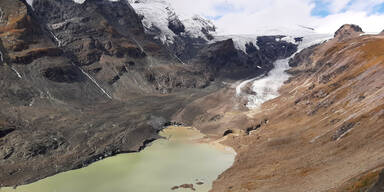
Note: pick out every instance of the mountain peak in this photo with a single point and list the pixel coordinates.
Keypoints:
(161, 20)
(348, 31)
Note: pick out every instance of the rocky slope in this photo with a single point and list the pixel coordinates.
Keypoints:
(87, 80)
(83, 81)
(323, 133)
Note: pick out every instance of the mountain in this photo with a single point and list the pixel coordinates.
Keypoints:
(93, 71)
(321, 133)
(84, 80)
(161, 20)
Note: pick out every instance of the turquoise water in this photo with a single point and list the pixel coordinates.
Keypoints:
(161, 166)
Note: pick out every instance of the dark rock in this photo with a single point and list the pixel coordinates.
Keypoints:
(146, 143)
(176, 26)
(225, 61)
(253, 128)
(4, 131)
(67, 74)
(299, 39)
(334, 121)
(171, 123)
(227, 132)
(379, 185)
(324, 104)
(328, 77)
(216, 117)
(250, 48)
(188, 186)
(303, 58)
(44, 146)
(342, 130)
(114, 80)
(6, 152)
(319, 94)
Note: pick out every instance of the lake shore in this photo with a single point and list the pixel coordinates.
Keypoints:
(185, 155)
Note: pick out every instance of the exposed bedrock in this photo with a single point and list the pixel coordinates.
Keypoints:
(81, 82)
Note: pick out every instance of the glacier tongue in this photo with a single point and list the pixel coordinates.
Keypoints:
(267, 88)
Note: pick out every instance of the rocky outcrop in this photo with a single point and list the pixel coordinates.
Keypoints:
(348, 31)
(67, 74)
(89, 30)
(224, 60)
(303, 58)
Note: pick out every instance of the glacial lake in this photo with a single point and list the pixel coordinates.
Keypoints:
(179, 159)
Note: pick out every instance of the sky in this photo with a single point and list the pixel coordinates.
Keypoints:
(264, 16)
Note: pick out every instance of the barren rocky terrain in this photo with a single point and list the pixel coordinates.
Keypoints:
(81, 82)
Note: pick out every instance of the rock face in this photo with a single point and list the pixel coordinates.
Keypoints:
(83, 81)
(223, 59)
(348, 31)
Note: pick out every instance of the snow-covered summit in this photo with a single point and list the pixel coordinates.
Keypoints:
(161, 20)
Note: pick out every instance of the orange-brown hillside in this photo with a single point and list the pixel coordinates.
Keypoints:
(324, 133)
(22, 38)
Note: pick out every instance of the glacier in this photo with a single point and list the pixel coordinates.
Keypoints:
(267, 88)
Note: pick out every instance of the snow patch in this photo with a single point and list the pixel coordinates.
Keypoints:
(94, 82)
(239, 41)
(368, 33)
(1, 57)
(156, 14)
(58, 41)
(17, 73)
(195, 26)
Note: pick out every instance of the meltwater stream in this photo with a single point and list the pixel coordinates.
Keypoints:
(167, 163)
